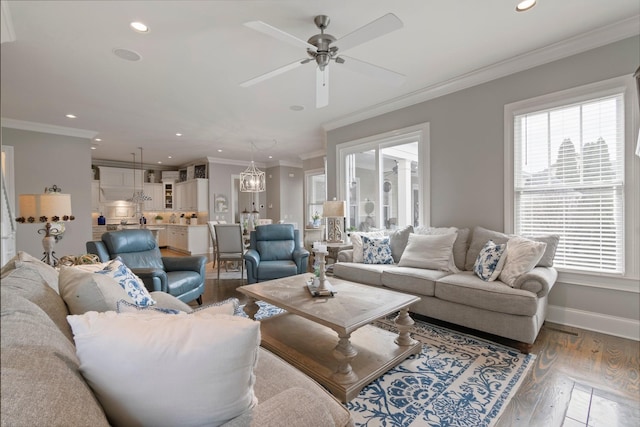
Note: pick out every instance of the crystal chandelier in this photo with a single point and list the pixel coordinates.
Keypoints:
(252, 179)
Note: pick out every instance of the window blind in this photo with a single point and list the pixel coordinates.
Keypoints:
(569, 181)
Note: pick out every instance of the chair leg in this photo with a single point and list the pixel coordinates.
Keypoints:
(199, 300)
(219, 267)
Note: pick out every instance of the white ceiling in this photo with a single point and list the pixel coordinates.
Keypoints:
(197, 53)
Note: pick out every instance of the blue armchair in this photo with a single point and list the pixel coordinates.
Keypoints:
(274, 252)
(182, 277)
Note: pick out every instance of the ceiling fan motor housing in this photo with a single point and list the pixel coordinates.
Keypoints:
(324, 51)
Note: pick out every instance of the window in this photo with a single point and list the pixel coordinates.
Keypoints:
(382, 179)
(568, 177)
(316, 193)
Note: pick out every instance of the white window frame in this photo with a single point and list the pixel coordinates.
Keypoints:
(307, 176)
(630, 280)
(419, 132)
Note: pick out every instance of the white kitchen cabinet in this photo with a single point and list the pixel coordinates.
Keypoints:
(95, 196)
(192, 195)
(156, 192)
(190, 239)
(119, 177)
(162, 236)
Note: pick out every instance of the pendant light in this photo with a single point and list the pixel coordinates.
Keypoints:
(252, 180)
(138, 196)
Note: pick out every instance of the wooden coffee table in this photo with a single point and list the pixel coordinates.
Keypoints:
(331, 339)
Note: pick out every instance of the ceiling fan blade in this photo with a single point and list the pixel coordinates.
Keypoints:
(390, 77)
(322, 87)
(278, 34)
(273, 73)
(374, 29)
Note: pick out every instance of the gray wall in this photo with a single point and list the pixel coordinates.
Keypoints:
(285, 195)
(467, 146)
(220, 183)
(42, 160)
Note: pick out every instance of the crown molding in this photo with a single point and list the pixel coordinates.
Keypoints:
(243, 163)
(286, 163)
(598, 37)
(313, 154)
(44, 128)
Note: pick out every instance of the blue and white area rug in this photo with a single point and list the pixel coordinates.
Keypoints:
(457, 380)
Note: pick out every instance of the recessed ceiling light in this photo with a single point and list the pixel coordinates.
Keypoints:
(159, 162)
(178, 134)
(139, 27)
(169, 157)
(271, 157)
(296, 108)
(98, 139)
(94, 147)
(71, 116)
(219, 150)
(525, 5)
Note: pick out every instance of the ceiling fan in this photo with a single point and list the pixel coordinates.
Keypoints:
(321, 49)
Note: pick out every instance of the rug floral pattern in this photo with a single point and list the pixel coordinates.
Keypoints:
(457, 380)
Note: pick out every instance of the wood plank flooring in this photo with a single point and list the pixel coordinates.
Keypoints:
(580, 378)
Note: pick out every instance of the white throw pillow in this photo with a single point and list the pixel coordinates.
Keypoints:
(159, 370)
(131, 283)
(490, 261)
(434, 252)
(228, 306)
(521, 256)
(83, 291)
(356, 242)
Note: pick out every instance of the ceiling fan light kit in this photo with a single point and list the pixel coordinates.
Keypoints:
(321, 50)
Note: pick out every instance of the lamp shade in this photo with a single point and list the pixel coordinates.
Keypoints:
(334, 208)
(51, 206)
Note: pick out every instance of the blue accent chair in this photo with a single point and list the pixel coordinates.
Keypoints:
(274, 252)
(182, 277)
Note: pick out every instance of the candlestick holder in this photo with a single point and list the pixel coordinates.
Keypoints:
(321, 286)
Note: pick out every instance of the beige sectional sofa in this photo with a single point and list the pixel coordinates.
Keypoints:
(463, 298)
(43, 385)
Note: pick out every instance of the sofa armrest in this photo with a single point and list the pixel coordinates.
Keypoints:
(293, 407)
(187, 263)
(345, 255)
(540, 280)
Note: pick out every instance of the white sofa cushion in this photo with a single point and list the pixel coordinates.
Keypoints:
(160, 370)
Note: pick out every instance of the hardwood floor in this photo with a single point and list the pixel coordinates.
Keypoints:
(580, 378)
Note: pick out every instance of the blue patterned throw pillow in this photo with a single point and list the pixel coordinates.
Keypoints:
(376, 250)
(490, 260)
(131, 283)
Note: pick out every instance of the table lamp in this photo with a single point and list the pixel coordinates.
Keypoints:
(50, 207)
(334, 211)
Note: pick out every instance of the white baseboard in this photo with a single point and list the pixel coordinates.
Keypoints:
(598, 322)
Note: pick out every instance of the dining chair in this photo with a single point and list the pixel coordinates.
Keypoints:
(229, 245)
